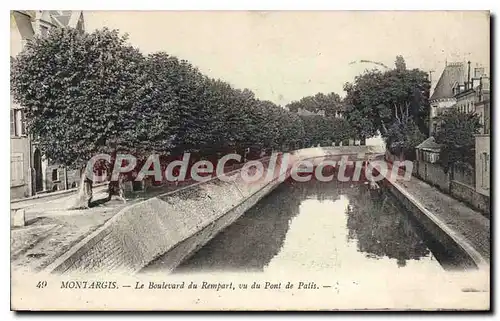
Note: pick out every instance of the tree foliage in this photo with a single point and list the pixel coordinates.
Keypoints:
(330, 104)
(456, 133)
(78, 91)
(91, 93)
(376, 99)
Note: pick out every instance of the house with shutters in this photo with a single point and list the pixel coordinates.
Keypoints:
(29, 168)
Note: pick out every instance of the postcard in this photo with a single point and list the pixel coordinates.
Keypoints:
(250, 160)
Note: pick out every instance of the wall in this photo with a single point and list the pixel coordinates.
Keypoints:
(19, 27)
(168, 227)
(483, 164)
(468, 195)
(433, 174)
(19, 149)
(460, 187)
(172, 226)
(438, 230)
(464, 174)
(466, 100)
(71, 176)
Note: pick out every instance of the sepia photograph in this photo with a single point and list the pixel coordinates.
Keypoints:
(250, 160)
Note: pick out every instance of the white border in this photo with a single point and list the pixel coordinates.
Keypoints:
(204, 5)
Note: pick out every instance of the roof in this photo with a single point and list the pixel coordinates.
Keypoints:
(58, 18)
(453, 73)
(429, 144)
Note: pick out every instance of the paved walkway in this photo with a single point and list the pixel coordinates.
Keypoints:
(458, 216)
(52, 229)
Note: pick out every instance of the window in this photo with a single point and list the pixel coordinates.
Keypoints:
(478, 72)
(55, 175)
(44, 31)
(17, 122)
(16, 169)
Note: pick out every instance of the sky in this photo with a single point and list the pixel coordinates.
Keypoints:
(283, 56)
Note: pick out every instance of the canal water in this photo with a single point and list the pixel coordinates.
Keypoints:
(332, 226)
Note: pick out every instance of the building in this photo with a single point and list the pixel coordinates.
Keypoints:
(443, 96)
(31, 173)
(474, 97)
(474, 90)
(482, 146)
(305, 112)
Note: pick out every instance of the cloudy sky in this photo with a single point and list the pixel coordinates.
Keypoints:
(283, 56)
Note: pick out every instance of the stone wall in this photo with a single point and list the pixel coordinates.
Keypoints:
(460, 187)
(438, 230)
(165, 230)
(464, 174)
(168, 227)
(433, 174)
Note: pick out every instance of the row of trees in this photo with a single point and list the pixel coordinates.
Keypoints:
(91, 93)
(324, 125)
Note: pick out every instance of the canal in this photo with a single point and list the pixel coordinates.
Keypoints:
(332, 226)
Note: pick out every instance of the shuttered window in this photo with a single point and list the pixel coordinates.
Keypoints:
(16, 169)
(17, 123)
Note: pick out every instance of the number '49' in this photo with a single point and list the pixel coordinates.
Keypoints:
(41, 284)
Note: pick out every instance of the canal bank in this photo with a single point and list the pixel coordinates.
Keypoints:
(462, 225)
(166, 229)
(178, 223)
(335, 227)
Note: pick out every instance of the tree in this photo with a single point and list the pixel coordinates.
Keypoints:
(402, 138)
(330, 104)
(78, 90)
(376, 99)
(456, 132)
(400, 63)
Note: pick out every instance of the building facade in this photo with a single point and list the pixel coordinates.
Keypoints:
(443, 96)
(31, 172)
(474, 97)
(483, 144)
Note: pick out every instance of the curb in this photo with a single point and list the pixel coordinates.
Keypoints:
(58, 193)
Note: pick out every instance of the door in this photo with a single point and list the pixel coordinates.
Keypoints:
(37, 164)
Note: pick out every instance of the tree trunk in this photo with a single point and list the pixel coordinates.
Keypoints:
(116, 190)
(84, 196)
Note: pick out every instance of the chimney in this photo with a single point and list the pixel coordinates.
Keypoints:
(468, 77)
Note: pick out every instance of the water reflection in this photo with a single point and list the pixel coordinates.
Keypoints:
(318, 226)
(254, 239)
(380, 229)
